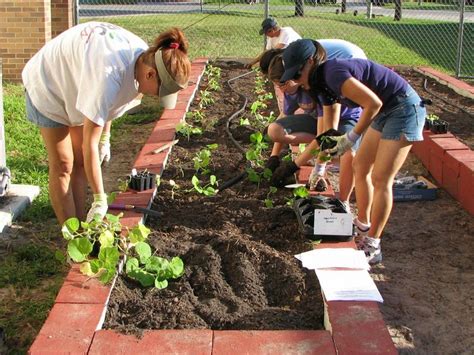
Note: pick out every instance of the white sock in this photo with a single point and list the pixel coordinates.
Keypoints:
(360, 225)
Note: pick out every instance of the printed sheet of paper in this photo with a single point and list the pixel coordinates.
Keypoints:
(348, 285)
(334, 258)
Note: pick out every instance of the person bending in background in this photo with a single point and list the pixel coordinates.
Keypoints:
(392, 119)
(343, 121)
(80, 81)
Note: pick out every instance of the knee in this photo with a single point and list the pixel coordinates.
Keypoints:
(359, 168)
(275, 132)
(380, 181)
(62, 167)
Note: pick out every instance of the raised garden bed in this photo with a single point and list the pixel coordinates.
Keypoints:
(238, 254)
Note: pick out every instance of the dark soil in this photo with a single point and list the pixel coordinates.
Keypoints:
(240, 269)
(241, 272)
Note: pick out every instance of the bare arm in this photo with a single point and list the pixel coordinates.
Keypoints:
(90, 148)
(331, 116)
(365, 98)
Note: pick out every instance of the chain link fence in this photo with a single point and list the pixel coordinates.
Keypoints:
(438, 33)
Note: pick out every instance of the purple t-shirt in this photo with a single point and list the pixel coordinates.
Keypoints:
(384, 82)
(302, 99)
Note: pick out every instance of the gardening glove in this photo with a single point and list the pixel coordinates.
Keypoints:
(273, 163)
(284, 171)
(343, 143)
(317, 182)
(99, 207)
(104, 147)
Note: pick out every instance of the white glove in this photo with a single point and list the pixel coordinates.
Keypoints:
(99, 207)
(316, 174)
(344, 143)
(104, 147)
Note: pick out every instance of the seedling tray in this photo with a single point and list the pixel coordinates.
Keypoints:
(142, 181)
(416, 194)
(304, 209)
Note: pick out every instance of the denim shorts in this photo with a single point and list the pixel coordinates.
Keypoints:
(37, 117)
(347, 126)
(403, 116)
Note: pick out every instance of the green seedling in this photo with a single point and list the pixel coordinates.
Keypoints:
(209, 189)
(85, 238)
(257, 177)
(188, 130)
(212, 72)
(265, 97)
(174, 188)
(196, 116)
(258, 145)
(432, 117)
(257, 106)
(299, 192)
(150, 270)
(268, 201)
(206, 99)
(244, 122)
(213, 84)
(202, 159)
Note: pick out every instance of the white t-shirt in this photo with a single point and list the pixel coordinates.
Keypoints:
(87, 71)
(287, 35)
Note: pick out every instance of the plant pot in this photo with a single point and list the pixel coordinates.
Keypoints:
(428, 124)
(327, 144)
(439, 127)
(142, 181)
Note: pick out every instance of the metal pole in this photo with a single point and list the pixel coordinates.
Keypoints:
(76, 12)
(369, 9)
(3, 157)
(266, 14)
(460, 39)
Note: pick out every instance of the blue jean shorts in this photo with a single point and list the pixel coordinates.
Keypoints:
(404, 116)
(347, 126)
(37, 117)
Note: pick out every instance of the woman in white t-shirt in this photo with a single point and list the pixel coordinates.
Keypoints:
(81, 80)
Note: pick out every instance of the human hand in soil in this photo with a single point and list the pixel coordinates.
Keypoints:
(273, 163)
(283, 172)
(343, 143)
(99, 207)
(104, 147)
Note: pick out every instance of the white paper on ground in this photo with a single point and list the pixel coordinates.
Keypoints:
(348, 285)
(334, 258)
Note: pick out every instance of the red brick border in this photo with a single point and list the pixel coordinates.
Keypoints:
(74, 322)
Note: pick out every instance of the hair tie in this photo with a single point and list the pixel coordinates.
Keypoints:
(174, 45)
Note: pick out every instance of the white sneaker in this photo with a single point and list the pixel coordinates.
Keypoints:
(360, 231)
(373, 251)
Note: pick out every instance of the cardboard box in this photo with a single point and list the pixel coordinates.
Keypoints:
(327, 222)
(429, 194)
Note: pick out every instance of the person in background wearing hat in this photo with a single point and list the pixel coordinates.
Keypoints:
(80, 81)
(277, 37)
(392, 119)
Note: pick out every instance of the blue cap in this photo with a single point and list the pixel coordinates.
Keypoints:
(295, 56)
(267, 24)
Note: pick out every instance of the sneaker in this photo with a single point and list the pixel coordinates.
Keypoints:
(373, 252)
(360, 231)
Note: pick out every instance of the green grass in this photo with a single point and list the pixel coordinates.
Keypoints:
(408, 42)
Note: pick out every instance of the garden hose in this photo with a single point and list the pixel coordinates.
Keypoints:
(425, 86)
(241, 175)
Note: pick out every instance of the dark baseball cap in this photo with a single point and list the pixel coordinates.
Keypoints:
(295, 56)
(267, 24)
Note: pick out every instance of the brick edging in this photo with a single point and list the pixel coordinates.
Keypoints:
(72, 323)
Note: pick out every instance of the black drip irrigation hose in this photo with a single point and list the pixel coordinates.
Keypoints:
(425, 87)
(241, 175)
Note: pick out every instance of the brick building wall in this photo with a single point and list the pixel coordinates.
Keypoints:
(25, 26)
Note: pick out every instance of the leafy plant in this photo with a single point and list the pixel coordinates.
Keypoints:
(85, 238)
(196, 116)
(256, 177)
(202, 159)
(244, 122)
(255, 153)
(268, 201)
(188, 130)
(206, 99)
(214, 84)
(299, 192)
(209, 189)
(432, 117)
(150, 270)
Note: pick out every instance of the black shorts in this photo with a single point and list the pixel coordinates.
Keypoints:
(299, 123)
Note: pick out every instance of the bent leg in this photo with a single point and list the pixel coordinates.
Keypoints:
(60, 162)
(390, 157)
(346, 176)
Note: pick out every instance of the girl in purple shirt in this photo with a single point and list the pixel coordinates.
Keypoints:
(392, 119)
